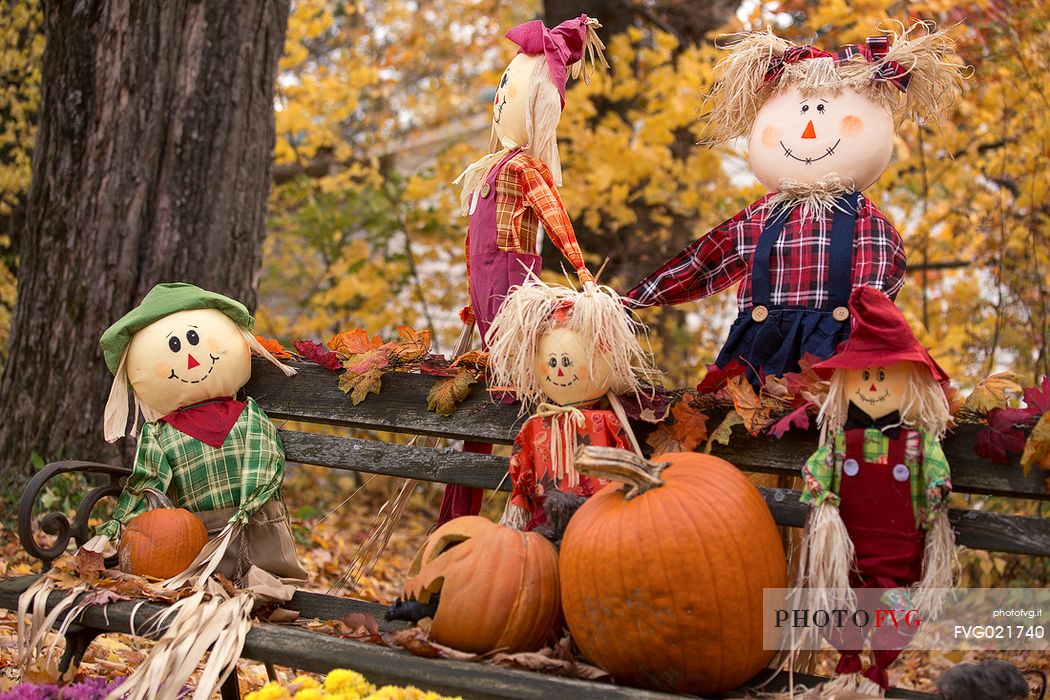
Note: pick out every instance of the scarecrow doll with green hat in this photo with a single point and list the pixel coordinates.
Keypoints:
(185, 352)
(878, 533)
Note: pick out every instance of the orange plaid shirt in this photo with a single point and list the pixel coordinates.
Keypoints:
(525, 196)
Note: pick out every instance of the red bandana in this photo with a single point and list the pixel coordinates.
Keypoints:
(210, 422)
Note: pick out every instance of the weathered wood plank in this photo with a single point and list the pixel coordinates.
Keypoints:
(973, 528)
(313, 395)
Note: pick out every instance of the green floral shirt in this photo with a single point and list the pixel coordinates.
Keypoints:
(930, 475)
(244, 473)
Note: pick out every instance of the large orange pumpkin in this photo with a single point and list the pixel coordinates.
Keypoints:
(498, 586)
(662, 578)
(163, 541)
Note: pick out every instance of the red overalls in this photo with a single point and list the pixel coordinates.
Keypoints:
(876, 508)
(492, 273)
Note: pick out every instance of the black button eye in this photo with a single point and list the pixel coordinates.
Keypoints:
(805, 108)
(174, 344)
(565, 361)
(553, 362)
(820, 108)
(882, 376)
(192, 337)
(867, 375)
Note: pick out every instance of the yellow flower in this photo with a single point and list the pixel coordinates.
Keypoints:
(310, 694)
(270, 691)
(343, 680)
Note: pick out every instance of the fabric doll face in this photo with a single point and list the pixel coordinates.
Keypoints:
(188, 357)
(511, 103)
(878, 391)
(565, 372)
(840, 133)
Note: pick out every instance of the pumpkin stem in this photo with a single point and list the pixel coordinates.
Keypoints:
(637, 474)
(156, 499)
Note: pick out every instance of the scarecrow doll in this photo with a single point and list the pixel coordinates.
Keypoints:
(185, 352)
(513, 189)
(878, 487)
(821, 127)
(565, 354)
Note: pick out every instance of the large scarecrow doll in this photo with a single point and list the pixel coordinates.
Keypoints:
(879, 486)
(821, 128)
(566, 354)
(185, 353)
(513, 189)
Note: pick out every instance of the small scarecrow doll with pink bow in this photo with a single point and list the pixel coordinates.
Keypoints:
(821, 129)
(513, 189)
(878, 487)
(566, 354)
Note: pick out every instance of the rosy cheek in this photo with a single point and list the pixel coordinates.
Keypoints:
(771, 136)
(161, 370)
(582, 373)
(213, 345)
(851, 125)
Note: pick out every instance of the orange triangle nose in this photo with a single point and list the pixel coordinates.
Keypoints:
(810, 132)
(191, 362)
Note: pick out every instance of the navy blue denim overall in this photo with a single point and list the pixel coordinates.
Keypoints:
(772, 338)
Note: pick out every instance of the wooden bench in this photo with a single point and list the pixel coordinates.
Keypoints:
(313, 396)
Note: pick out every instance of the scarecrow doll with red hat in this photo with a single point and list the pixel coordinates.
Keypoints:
(513, 189)
(821, 128)
(566, 354)
(878, 487)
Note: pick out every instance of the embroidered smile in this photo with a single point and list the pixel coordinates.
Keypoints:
(877, 399)
(574, 379)
(214, 359)
(829, 152)
(499, 110)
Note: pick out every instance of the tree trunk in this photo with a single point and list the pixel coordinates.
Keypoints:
(152, 164)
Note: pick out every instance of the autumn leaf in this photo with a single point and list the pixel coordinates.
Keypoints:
(88, 565)
(799, 418)
(476, 359)
(754, 415)
(274, 348)
(374, 359)
(806, 384)
(446, 395)
(724, 431)
(436, 366)
(355, 342)
(360, 386)
(995, 391)
(316, 353)
(1037, 448)
(717, 377)
(689, 427)
(663, 442)
(1038, 397)
(413, 344)
(1002, 438)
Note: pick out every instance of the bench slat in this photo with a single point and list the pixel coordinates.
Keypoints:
(313, 395)
(976, 529)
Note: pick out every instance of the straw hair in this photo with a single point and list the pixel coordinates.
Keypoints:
(926, 55)
(597, 314)
(262, 352)
(923, 406)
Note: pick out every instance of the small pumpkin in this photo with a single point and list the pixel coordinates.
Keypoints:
(662, 573)
(498, 587)
(163, 541)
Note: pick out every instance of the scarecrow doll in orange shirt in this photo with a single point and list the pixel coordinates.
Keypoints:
(878, 489)
(513, 189)
(566, 354)
(821, 129)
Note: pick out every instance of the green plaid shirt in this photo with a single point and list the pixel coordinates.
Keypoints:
(930, 475)
(244, 473)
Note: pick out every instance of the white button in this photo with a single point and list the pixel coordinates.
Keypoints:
(851, 467)
(901, 473)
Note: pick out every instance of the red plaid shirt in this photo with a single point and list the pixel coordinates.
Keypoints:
(798, 274)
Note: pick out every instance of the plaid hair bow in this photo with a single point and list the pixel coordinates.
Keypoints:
(874, 51)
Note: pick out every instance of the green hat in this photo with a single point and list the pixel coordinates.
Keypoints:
(164, 300)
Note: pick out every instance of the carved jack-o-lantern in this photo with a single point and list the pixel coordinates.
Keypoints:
(498, 587)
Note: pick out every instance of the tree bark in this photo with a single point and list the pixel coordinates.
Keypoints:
(152, 164)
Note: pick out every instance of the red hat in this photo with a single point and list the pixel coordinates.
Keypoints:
(562, 46)
(880, 336)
